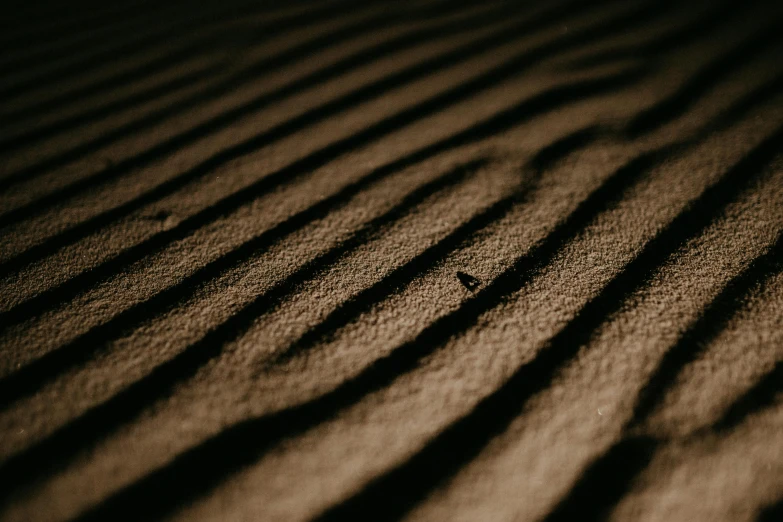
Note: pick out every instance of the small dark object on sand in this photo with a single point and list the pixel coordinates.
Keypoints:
(470, 282)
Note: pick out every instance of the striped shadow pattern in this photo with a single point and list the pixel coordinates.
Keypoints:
(416, 260)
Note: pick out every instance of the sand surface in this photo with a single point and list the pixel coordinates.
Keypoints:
(417, 260)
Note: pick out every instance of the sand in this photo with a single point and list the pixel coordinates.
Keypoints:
(421, 260)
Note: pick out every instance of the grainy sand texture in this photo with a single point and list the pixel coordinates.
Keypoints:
(412, 260)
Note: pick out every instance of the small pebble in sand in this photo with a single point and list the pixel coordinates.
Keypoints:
(470, 282)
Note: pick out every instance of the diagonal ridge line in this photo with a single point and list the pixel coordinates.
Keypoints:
(772, 512)
(606, 480)
(761, 395)
(271, 426)
(546, 157)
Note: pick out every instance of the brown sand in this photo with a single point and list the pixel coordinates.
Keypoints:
(421, 260)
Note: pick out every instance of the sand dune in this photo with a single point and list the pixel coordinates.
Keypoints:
(419, 260)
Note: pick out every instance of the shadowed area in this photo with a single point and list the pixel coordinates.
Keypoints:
(417, 260)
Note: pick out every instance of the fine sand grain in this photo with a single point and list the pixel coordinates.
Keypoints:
(416, 260)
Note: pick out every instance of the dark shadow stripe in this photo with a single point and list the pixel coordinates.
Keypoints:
(103, 57)
(765, 393)
(259, 69)
(710, 323)
(605, 481)
(704, 81)
(32, 376)
(393, 283)
(512, 67)
(760, 94)
(223, 120)
(621, 449)
(772, 512)
(65, 444)
(581, 138)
